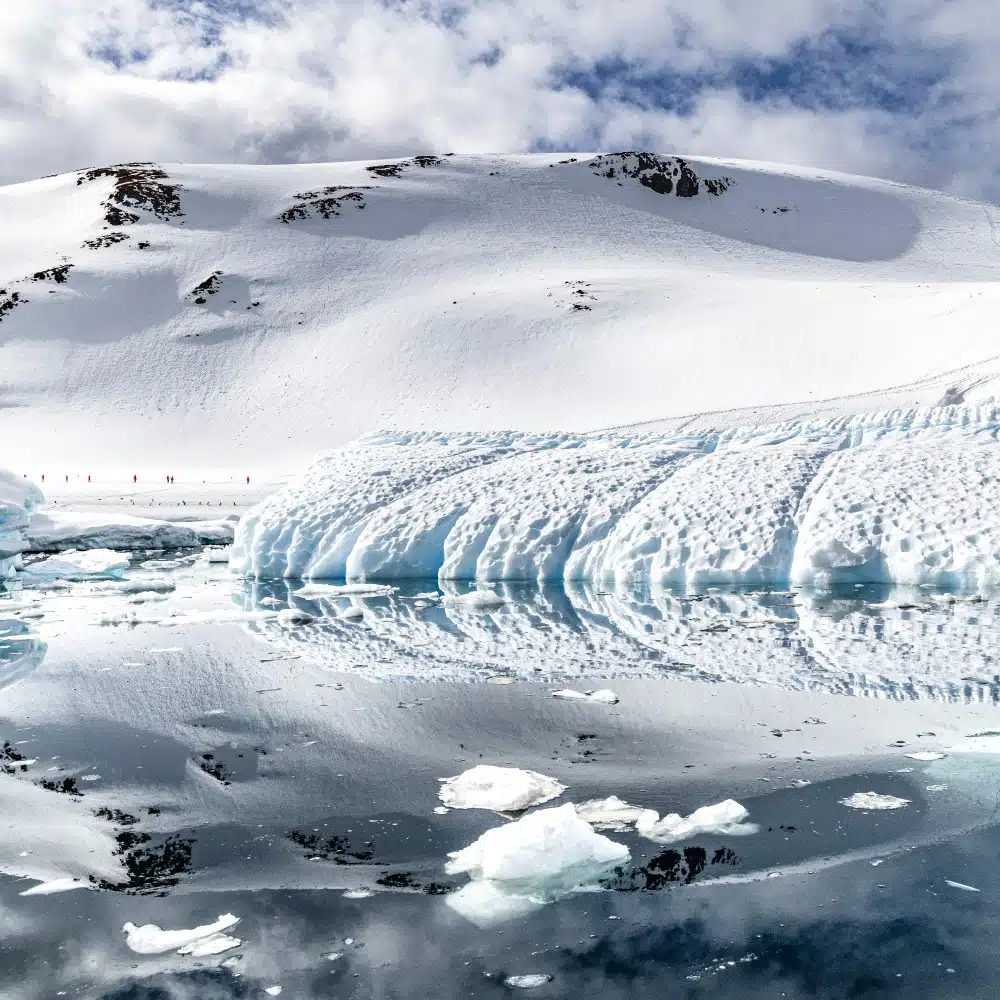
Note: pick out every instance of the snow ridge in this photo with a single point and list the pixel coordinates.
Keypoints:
(903, 496)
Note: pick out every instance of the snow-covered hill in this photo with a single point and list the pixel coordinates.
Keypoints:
(248, 317)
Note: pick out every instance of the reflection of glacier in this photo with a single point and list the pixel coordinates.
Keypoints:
(19, 653)
(903, 496)
(924, 649)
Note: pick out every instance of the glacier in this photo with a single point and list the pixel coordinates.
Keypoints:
(902, 496)
(19, 497)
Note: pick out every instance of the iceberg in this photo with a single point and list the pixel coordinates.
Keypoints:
(502, 789)
(725, 818)
(55, 529)
(523, 865)
(613, 814)
(874, 801)
(887, 497)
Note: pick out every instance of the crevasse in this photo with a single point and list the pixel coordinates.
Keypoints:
(905, 496)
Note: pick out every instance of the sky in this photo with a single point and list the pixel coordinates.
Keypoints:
(904, 89)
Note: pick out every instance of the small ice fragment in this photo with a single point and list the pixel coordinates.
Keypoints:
(875, 864)
(214, 945)
(54, 886)
(216, 711)
(441, 810)
(567, 695)
(91, 777)
(503, 789)
(500, 679)
(724, 818)
(313, 590)
(273, 991)
(348, 941)
(431, 595)
(167, 649)
(961, 885)
(352, 614)
(478, 600)
(926, 755)
(935, 788)
(800, 782)
(293, 616)
(333, 956)
(216, 555)
(357, 893)
(604, 696)
(872, 800)
(150, 939)
(610, 814)
(528, 982)
(269, 602)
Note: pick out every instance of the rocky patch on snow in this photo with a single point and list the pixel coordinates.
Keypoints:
(326, 202)
(396, 169)
(138, 187)
(107, 240)
(661, 174)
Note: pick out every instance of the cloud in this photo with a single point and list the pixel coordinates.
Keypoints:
(902, 88)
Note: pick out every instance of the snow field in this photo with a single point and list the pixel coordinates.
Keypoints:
(897, 497)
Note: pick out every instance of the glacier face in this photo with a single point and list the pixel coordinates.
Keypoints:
(901, 496)
(18, 498)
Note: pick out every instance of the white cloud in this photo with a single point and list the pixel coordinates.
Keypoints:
(311, 79)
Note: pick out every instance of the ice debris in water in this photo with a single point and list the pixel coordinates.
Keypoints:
(961, 885)
(724, 818)
(218, 555)
(503, 789)
(528, 982)
(927, 755)
(478, 600)
(611, 814)
(314, 590)
(530, 862)
(604, 696)
(361, 893)
(273, 991)
(88, 564)
(352, 614)
(149, 939)
(872, 800)
(293, 616)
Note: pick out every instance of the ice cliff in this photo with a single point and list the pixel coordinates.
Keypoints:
(18, 498)
(903, 496)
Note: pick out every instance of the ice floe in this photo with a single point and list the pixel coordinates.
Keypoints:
(927, 755)
(961, 885)
(873, 801)
(727, 818)
(502, 789)
(534, 860)
(150, 939)
(84, 564)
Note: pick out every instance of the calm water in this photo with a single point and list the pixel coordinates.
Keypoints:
(188, 767)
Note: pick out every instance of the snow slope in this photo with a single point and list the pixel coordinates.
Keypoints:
(247, 317)
(905, 496)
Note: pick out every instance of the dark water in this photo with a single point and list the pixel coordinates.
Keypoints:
(261, 770)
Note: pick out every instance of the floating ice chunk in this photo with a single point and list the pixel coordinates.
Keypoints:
(269, 602)
(478, 600)
(611, 814)
(872, 800)
(603, 697)
(441, 810)
(503, 789)
(927, 755)
(293, 616)
(56, 885)
(528, 982)
(546, 853)
(80, 565)
(352, 614)
(431, 595)
(149, 597)
(725, 818)
(217, 555)
(315, 590)
(961, 885)
(273, 991)
(149, 939)
(357, 893)
(214, 945)
(143, 586)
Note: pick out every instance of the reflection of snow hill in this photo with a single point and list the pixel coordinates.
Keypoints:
(925, 649)
(207, 317)
(899, 497)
